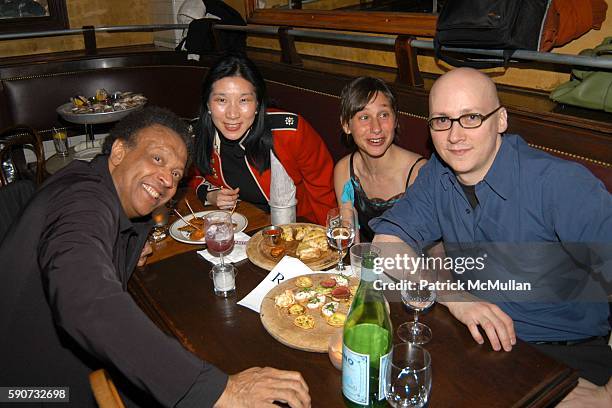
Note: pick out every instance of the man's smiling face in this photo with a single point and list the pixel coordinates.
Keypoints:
(147, 174)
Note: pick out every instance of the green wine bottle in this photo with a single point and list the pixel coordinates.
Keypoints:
(366, 348)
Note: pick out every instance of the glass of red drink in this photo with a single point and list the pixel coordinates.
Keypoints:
(219, 233)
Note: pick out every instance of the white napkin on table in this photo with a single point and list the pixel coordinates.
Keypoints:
(237, 254)
(288, 267)
(97, 144)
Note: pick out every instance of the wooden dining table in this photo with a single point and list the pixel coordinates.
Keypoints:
(175, 290)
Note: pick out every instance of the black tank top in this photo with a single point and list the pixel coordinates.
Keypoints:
(371, 208)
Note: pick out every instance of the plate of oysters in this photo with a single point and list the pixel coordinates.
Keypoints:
(304, 241)
(104, 107)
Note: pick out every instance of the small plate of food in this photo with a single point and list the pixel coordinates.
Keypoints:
(304, 241)
(189, 230)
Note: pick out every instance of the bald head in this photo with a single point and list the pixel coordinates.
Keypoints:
(466, 100)
(479, 87)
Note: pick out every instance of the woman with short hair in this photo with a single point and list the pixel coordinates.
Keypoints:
(376, 174)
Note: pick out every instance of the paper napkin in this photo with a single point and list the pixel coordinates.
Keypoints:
(97, 144)
(237, 254)
(288, 267)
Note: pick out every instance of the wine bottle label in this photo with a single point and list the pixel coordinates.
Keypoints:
(355, 376)
(383, 375)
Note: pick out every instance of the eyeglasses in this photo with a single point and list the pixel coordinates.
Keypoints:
(467, 121)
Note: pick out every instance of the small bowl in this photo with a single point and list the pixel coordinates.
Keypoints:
(272, 234)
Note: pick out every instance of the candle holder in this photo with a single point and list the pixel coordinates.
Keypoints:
(224, 279)
(334, 349)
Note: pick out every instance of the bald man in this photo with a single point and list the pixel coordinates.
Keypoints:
(525, 214)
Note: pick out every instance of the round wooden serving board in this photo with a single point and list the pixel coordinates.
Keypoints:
(279, 323)
(259, 254)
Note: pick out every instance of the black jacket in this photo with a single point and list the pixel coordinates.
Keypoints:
(64, 305)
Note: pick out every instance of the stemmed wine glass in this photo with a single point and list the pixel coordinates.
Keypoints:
(409, 376)
(418, 294)
(340, 230)
(219, 233)
(220, 241)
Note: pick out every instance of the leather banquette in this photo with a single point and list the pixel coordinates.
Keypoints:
(32, 100)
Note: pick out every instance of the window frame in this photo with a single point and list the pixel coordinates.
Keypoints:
(414, 24)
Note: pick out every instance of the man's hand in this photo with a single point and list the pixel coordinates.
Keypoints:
(146, 251)
(260, 387)
(587, 394)
(224, 198)
(497, 325)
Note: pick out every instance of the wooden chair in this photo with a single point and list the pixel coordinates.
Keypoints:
(13, 142)
(104, 390)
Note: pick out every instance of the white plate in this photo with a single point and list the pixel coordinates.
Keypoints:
(65, 111)
(182, 236)
(88, 154)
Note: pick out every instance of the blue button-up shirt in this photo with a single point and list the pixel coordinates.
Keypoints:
(539, 220)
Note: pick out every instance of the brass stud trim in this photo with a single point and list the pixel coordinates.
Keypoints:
(571, 155)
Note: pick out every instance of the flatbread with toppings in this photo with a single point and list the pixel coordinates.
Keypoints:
(337, 319)
(303, 282)
(306, 322)
(296, 309)
(285, 299)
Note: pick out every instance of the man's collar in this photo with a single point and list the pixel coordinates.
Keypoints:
(502, 175)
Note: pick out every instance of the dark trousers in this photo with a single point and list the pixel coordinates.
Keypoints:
(592, 359)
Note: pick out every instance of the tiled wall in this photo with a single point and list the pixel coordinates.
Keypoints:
(164, 12)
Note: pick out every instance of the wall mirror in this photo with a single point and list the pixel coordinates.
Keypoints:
(20, 16)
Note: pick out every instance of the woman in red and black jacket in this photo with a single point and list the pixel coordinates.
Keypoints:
(237, 134)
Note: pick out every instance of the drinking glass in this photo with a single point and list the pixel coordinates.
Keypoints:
(60, 141)
(409, 376)
(219, 233)
(340, 229)
(357, 252)
(418, 294)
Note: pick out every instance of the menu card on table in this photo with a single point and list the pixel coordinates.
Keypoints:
(288, 267)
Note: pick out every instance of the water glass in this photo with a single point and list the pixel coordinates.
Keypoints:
(419, 295)
(60, 141)
(357, 252)
(409, 376)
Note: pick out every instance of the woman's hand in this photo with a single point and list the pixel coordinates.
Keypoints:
(224, 198)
